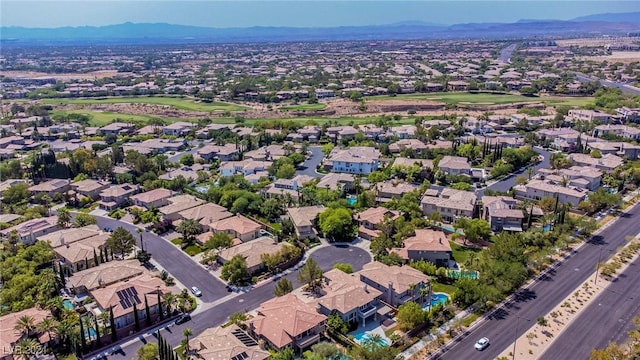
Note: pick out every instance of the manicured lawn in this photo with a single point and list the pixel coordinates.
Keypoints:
(343, 120)
(444, 288)
(470, 319)
(304, 107)
(460, 253)
(102, 118)
(182, 103)
(177, 241)
(192, 250)
(461, 98)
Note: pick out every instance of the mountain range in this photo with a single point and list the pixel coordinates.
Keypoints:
(145, 33)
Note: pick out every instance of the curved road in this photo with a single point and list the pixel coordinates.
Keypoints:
(608, 83)
(312, 162)
(505, 54)
(509, 323)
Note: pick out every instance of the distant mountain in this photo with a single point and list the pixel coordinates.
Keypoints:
(633, 17)
(130, 33)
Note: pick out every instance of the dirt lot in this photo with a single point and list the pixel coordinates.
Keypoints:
(64, 77)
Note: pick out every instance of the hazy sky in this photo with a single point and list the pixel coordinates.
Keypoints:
(298, 13)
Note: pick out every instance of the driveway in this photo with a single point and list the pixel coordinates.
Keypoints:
(179, 265)
(508, 182)
(309, 166)
(217, 315)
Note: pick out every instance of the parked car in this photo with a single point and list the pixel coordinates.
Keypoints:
(196, 291)
(183, 319)
(482, 344)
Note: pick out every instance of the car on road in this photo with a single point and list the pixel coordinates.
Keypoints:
(196, 291)
(183, 319)
(481, 344)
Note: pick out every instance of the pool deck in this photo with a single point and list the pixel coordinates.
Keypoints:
(372, 327)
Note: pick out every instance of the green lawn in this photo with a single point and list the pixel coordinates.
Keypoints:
(343, 120)
(182, 103)
(102, 118)
(460, 253)
(443, 288)
(304, 107)
(461, 98)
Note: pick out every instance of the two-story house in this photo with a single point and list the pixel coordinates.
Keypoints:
(427, 244)
(450, 203)
(303, 219)
(238, 227)
(398, 284)
(154, 198)
(502, 213)
(117, 195)
(356, 160)
(369, 221)
(454, 165)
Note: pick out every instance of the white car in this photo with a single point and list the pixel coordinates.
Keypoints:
(482, 344)
(196, 291)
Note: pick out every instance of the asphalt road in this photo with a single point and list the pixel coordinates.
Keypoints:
(219, 314)
(309, 166)
(176, 262)
(608, 318)
(506, 324)
(505, 54)
(618, 85)
(507, 183)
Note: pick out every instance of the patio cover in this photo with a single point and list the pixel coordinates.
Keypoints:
(384, 310)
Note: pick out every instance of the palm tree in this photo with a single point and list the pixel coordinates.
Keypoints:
(47, 325)
(412, 288)
(169, 301)
(373, 341)
(26, 348)
(189, 228)
(186, 333)
(26, 324)
(423, 291)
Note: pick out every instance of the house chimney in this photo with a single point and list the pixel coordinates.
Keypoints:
(440, 239)
(390, 291)
(252, 328)
(366, 288)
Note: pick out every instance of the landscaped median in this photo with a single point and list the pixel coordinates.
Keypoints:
(533, 343)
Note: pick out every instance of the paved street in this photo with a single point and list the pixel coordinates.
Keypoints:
(508, 182)
(505, 54)
(505, 325)
(309, 167)
(618, 85)
(611, 313)
(219, 314)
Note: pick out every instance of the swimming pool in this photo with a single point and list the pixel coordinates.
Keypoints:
(67, 304)
(362, 337)
(437, 299)
(91, 334)
(352, 200)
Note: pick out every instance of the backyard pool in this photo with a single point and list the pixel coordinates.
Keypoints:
(352, 200)
(436, 299)
(450, 229)
(67, 304)
(362, 337)
(91, 334)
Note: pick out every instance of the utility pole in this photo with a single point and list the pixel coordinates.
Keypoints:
(515, 339)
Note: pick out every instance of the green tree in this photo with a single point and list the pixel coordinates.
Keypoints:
(235, 270)
(284, 354)
(64, 218)
(474, 229)
(17, 193)
(324, 350)
(410, 315)
(121, 241)
(283, 287)
(286, 171)
(189, 228)
(187, 332)
(337, 224)
(311, 275)
(187, 159)
(47, 325)
(149, 351)
(25, 325)
(271, 209)
(336, 324)
(219, 241)
(344, 267)
(83, 219)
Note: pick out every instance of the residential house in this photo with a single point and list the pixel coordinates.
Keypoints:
(252, 252)
(336, 181)
(589, 115)
(624, 131)
(105, 274)
(123, 297)
(237, 226)
(177, 204)
(226, 152)
(9, 183)
(10, 336)
(625, 149)
(347, 296)
(628, 114)
(502, 213)
(393, 189)
(427, 244)
(450, 203)
(117, 195)
(341, 132)
(585, 177)
(159, 146)
(281, 187)
(398, 284)
(454, 165)
(414, 145)
(244, 167)
(155, 198)
(65, 236)
(30, 230)
(205, 214)
(51, 187)
(287, 321)
(90, 188)
(457, 85)
(224, 343)
(179, 128)
(270, 152)
(356, 160)
(537, 189)
(304, 219)
(607, 163)
(369, 221)
(82, 254)
(117, 128)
